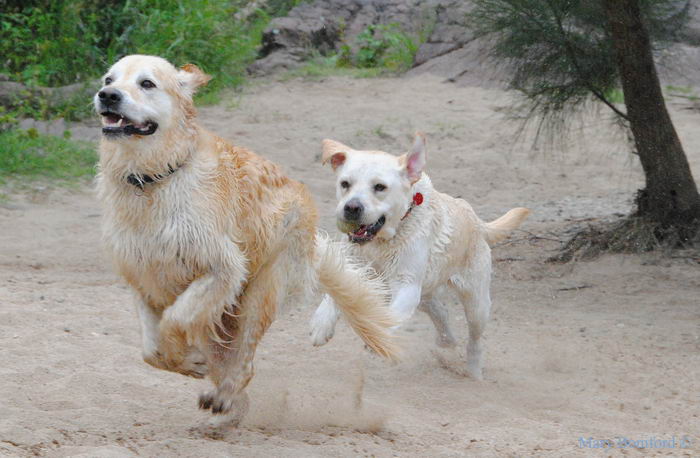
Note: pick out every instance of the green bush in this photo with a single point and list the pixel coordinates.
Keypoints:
(52, 43)
(382, 46)
(31, 154)
(319, 67)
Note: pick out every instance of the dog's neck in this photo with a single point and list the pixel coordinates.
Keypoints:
(143, 162)
(420, 192)
(417, 200)
(140, 181)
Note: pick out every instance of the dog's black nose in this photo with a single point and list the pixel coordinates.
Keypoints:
(353, 210)
(109, 97)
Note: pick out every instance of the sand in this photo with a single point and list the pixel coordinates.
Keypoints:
(600, 349)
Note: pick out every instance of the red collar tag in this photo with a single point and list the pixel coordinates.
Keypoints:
(417, 200)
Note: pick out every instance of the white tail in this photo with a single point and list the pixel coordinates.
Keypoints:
(361, 296)
(499, 229)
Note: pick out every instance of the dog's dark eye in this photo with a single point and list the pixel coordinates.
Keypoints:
(344, 184)
(379, 187)
(147, 84)
(108, 81)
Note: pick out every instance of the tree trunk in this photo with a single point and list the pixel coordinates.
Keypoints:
(671, 195)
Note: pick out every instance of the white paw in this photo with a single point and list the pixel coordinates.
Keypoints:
(321, 333)
(323, 323)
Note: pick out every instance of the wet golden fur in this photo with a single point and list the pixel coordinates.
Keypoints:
(214, 249)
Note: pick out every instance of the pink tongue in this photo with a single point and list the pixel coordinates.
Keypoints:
(361, 230)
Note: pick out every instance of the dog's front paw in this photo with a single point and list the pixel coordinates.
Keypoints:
(222, 402)
(192, 364)
(215, 402)
(320, 335)
(323, 323)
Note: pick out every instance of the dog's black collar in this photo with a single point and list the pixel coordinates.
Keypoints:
(141, 180)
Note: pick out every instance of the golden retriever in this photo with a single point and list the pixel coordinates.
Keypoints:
(422, 241)
(212, 238)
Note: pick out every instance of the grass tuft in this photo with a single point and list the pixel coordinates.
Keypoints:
(27, 153)
(321, 67)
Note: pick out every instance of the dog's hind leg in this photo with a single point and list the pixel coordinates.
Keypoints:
(439, 314)
(473, 290)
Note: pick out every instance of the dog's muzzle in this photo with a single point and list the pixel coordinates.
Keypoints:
(114, 123)
(361, 233)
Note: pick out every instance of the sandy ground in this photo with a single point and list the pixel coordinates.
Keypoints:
(602, 349)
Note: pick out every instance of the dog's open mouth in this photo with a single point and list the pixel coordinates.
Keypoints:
(115, 124)
(366, 232)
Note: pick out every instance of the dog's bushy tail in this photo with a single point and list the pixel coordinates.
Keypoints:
(359, 294)
(497, 230)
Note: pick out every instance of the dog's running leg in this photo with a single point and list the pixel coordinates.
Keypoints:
(438, 313)
(149, 332)
(407, 283)
(405, 299)
(194, 363)
(188, 321)
(474, 292)
(323, 321)
(231, 364)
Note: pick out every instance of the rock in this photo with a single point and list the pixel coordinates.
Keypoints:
(450, 50)
(53, 127)
(469, 65)
(691, 34)
(275, 63)
(322, 26)
(11, 92)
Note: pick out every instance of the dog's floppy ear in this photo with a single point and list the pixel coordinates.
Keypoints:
(192, 77)
(335, 152)
(414, 161)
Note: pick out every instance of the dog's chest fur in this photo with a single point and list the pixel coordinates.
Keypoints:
(161, 240)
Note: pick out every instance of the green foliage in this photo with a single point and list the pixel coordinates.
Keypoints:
(55, 43)
(615, 95)
(275, 8)
(8, 119)
(28, 153)
(382, 46)
(203, 33)
(61, 42)
(321, 67)
(560, 51)
(682, 92)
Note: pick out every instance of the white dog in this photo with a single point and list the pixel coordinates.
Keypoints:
(421, 240)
